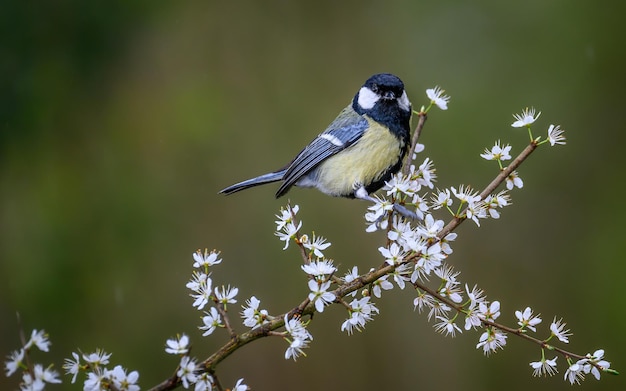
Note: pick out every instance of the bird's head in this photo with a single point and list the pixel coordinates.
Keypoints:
(382, 91)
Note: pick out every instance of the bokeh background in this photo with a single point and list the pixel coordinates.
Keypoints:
(120, 121)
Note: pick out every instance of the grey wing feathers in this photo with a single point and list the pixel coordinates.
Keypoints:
(347, 128)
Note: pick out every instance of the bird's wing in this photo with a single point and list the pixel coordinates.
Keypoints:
(344, 131)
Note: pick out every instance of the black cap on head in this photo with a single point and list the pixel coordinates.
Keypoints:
(382, 83)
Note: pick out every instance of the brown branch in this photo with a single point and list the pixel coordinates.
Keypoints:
(222, 311)
(307, 307)
(516, 331)
(491, 187)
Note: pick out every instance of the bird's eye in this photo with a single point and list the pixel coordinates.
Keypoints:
(374, 88)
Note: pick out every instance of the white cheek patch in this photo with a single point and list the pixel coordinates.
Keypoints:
(332, 139)
(403, 102)
(367, 98)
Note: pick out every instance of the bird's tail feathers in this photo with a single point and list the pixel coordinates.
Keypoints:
(260, 180)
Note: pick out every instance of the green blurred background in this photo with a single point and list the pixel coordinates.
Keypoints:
(120, 122)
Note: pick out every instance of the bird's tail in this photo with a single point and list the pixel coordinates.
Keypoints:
(260, 180)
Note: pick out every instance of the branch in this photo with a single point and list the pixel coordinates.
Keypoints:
(491, 187)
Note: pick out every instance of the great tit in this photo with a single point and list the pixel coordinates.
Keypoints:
(360, 150)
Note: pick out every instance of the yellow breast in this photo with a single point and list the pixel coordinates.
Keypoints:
(360, 164)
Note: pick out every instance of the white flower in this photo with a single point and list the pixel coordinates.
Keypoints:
(47, 375)
(319, 268)
(497, 152)
(476, 296)
(201, 284)
(204, 382)
(466, 195)
(39, 339)
(239, 386)
(490, 312)
(574, 373)
(290, 231)
(226, 295)
(379, 209)
(72, 367)
(437, 97)
(438, 308)
(472, 319)
(441, 199)
(123, 381)
(422, 301)
(450, 288)
(393, 254)
(317, 246)
(319, 294)
(418, 148)
(514, 180)
(499, 200)
(445, 243)
(425, 175)
(187, 371)
(544, 367)
(491, 340)
(447, 326)
(527, 320)
(15, 359)
(205, 260)
(180, 345)
(296, 349)
(526, 118)
(98, 358)
(399, 275)
(558, 330)
(300, 338)
(211, 321)
(555, 135)
(296, 329)
(431, 227)
(400, 184)
(400, 231)
(596, 358)
(421, 206)
(361, 311)
(94, 381)
(351, 275)
(30, 383)
(251, 315)
(381, 284)
(428, 261)
(286, 216)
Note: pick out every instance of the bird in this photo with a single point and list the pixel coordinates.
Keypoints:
(357, 153)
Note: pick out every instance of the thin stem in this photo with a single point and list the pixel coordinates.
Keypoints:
(222, 311)
(416, 135)
(515, 331)
(491, 187)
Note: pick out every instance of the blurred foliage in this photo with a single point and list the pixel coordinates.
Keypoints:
(120, 121)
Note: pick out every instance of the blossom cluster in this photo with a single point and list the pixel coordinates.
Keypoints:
(203, 293)
(298, 337)
(35, 376)
(189, 372)
(415, 256)
(97, 375)
(417, 249)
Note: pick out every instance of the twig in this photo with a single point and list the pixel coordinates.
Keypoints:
(416, 135)
(497, 181)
